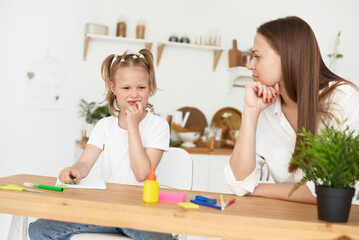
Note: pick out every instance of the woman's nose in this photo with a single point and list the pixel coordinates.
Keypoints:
(251, 64)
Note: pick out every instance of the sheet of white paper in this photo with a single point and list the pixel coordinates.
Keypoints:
(88, 183)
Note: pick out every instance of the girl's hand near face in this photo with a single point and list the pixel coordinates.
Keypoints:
(134, 114)
(259, 96)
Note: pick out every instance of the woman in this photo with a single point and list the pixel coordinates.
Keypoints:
(291, 89)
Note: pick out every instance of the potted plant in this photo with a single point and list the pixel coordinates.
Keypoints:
(92, 114)
(331, 160)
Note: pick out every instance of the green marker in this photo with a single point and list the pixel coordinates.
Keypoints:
(43, 186)
(74, 180)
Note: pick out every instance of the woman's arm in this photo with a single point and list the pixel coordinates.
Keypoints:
(83, 166)
(243, 159)
(281, 190)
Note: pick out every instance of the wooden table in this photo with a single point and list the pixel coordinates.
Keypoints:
(122, 206)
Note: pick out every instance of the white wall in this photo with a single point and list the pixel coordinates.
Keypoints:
(43, 141)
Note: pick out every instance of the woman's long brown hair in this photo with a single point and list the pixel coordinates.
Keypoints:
(303, 70)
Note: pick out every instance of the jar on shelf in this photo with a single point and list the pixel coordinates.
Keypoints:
(140, 29)
(121, 27)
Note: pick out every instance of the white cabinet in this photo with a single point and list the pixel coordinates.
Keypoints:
(239, 77)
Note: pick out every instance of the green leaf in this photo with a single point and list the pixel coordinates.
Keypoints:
(91, 112)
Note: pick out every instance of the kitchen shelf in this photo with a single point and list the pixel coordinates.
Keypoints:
(148, 44)
(217, 51)
(239, 76)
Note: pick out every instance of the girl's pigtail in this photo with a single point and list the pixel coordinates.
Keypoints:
(148, 60)
(105, 73)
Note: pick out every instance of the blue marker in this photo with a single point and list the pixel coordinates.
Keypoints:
(206, 204)
(205, 199)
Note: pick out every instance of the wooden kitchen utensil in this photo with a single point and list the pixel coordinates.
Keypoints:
(235, 56)
(228, 119)
(196, 121)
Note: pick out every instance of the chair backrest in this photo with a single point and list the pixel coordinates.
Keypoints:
(175, 169)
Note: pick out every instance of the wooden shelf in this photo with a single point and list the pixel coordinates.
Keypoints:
(148, 44)
(217, 51)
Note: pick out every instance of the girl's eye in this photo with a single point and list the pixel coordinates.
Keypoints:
(142, 87)
(126, 88)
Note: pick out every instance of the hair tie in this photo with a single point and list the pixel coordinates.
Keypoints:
(134, 56)
(114, 59)
(140, 55)
(122, 60)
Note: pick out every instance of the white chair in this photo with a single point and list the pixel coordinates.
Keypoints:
(175, 170)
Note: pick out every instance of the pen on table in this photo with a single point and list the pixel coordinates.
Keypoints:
(229, 202)
(206, 204)
(43, 186)
(15, 187)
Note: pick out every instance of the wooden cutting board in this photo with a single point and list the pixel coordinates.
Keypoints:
(228, 119)
(235, 56)
(197, 120)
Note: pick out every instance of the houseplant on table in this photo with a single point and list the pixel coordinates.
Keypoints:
(92, 114)
(330, 159)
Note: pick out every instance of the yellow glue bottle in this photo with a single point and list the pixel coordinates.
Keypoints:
(151, 188)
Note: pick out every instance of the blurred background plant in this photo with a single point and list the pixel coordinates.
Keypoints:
(335, 55)
(92, 112)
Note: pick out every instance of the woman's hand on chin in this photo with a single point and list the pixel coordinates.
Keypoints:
(259, 96)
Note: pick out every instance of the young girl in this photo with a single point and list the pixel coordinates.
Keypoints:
(291, 89)
(132, 140)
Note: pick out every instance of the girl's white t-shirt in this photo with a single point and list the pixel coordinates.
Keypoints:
(107, 135)
(275, 141)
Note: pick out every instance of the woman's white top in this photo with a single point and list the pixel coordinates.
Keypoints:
(107, 135)
(275, 141)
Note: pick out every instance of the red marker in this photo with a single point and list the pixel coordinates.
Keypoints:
(229, 202)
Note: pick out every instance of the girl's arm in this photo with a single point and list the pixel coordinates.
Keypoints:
(281, 190)
(83, 166)
(141, 160)
(243, 159)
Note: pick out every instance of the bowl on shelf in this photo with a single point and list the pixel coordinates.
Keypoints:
(189, 138)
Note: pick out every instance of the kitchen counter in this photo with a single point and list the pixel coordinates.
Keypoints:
(195, 150)
(204, 150)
